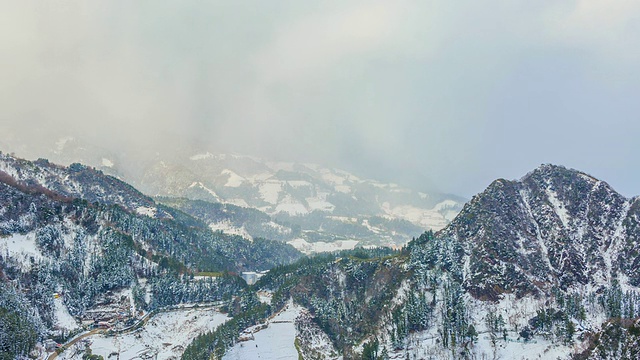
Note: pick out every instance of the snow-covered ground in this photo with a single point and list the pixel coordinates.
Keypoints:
(425, 345)
(199, 185)
(306, 247)
(228, 228)
(147, 211)
(107, 163)
(427, 218)
(270, 191)
(233, 180)
(291, 206)
(21, 247)
(164, 337)
(64, 320)
(275, 342)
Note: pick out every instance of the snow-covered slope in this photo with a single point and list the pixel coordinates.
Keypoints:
(554, 227)
(315, 198)
(271, 341)
(74, 182)
(300, 194)
(544, 267)
(164, 337)
(80, 248)
(299, 189)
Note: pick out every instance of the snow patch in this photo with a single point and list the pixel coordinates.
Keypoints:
(107, 163)
(227, 227)
(274, 342)
(204, 156)
(321, 204)
(233, 180)
(421, 217)
(237, 202)
(299, 183)
(559, 208)
(147, 211)
(164, 337)
(291, 206)
(316, 247)
(345, 189)
(64, 320)
(22, 248)
(270, 191)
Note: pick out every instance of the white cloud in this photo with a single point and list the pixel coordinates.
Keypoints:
(606, 29)
(370, 85)
(317, 42)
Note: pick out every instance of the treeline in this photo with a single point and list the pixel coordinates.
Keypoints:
(173, 289)
(351, 287)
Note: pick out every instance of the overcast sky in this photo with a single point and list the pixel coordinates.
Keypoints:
(453, 93)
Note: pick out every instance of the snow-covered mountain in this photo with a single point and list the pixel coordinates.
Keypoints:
(308, 205)
(74, 182)
(78, 246)
(541, 267)
(554, 227)
(536, 268)
(294, 189)
(327, 204)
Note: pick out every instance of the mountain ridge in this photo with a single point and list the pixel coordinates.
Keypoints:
(539, 267)
(557, 224)
(303, 194)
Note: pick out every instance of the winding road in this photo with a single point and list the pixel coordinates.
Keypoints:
(143, 321)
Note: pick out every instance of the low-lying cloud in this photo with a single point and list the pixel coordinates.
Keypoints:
(453, 94)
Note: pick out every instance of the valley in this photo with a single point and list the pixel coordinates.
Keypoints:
(535, 268)
(291, 202)
(319, 180)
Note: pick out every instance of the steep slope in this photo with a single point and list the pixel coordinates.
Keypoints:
(76, 181)
(232, 219)
(541, 267)
(76, 245)
(31, 189)
(327, 204)
(618, 339)
(554, 227)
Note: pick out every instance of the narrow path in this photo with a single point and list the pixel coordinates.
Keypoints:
(75, 340)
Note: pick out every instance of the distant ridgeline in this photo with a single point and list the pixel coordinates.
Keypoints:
(300, 203)
(71, 238)
(543, 267)
(546, 266)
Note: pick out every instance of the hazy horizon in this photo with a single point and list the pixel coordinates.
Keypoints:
(435, 94)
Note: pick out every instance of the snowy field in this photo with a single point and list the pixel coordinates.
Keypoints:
(164, 337)
(21, 247)
(63, 319)
(307, 248)
(276, 342)
(424, 345)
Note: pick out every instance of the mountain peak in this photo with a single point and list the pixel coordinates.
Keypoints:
(549, 171)
(554, 226)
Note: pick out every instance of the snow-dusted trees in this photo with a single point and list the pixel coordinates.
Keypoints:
(20, 325)
(455, 320)
(171, 289)
(414, 314)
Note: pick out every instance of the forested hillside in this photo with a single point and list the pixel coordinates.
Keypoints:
(66, 250)
(541, 267)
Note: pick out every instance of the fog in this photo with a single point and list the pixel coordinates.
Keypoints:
(435, 94)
